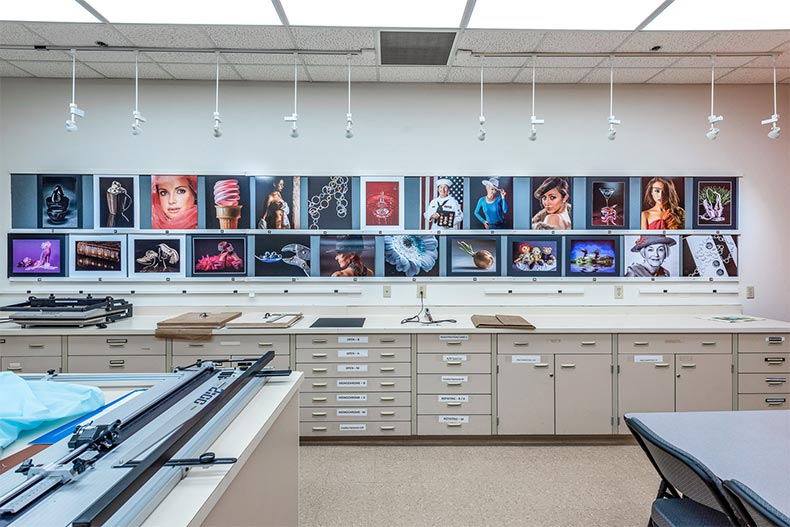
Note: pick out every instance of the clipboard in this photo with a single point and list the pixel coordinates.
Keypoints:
(501, 322)
(260, 321)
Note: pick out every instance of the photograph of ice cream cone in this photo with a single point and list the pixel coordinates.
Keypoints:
(227, 202)
(277, 202)
(115, 202)
(219, 256)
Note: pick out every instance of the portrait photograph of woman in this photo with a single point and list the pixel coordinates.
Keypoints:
(492, 202)
(652, 256)
(552, 201)
(277, 202)
(348, 256)
(662, 204)
(174, 202)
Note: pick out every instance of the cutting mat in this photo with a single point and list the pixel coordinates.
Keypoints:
(199, 320)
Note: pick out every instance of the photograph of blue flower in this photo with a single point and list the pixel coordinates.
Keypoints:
(411, 255)
(593, 256)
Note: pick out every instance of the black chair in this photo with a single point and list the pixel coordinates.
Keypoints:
(690, 495)
(754, 510)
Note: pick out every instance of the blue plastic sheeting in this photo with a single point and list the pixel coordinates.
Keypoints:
(24, 405)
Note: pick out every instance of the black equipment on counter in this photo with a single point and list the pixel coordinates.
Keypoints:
(75, 312)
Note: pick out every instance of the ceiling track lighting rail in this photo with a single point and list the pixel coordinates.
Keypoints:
(527, 54)
(243, 51)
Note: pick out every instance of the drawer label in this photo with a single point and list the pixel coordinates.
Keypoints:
(353, 428)
(351, 397)
(525, 359)
(453, 398)
(230, 343)
(345, 368)
(352, 383)
(453, 337)
(453, 418)
(648, 358)
(356, 412)
(455, 378)
(454, 358)
(345, 354)
(352, 340)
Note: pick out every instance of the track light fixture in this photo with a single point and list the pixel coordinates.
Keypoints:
(481, 135)
(775, 131)
(612, 134)
(533, 132)
(349, 119)
(217, 131)
(136, 115)
(74, 110)
(713, 132)
(294, 117)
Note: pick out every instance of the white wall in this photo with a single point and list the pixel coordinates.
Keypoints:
(422, 129)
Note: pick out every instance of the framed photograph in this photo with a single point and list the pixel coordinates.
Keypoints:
(351, 256)
(219, 256)
(411, 255)
(551, 198)
(652, 256)
(115, 202)
(662, 203)
(534, 256)
(97, 256)
(716, 203)
(491, 201)
(59, 202)
(329, 203)
(33, 255)
(442, 202)
(714, 256)
(227, 202)
(174, 202)
(607, 206)
(592, 256)
(157, 257)
(277, 202)
(381, 203)
(282, 255)
(473, 255)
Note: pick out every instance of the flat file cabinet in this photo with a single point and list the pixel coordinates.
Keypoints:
(130, 354)
(224, 347)
(31, 354)
(764, 371)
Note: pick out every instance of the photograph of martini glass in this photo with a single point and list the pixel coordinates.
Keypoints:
(608, 203)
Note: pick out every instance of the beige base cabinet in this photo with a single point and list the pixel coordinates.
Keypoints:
(764, 371)
(703, 383)
(132, 354)
(30, 354)
(583, 394)
(525, 394)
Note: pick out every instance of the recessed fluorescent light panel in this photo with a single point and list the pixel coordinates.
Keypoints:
(375, 13)
(44, 11)
(723, 15)
(562, 14)
(228, 12)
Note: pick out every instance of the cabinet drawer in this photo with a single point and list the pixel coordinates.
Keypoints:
(30, 364)
(763, 401)
(117, 364)
(532, 344)
(471, 383)
(279, 362)
(762, 342)
(30, 346)
(674, 343)
(355, 413)
(242, 345)
(763, 383)
(394, 428)
(452, 403)
(376, 369)
(451, 363)
(136, 345)
(453, 343)
(395, 384)
(354, 355)
(353, 341)
(444, 425)
(764, 363)
(354, 399)
(186, 360)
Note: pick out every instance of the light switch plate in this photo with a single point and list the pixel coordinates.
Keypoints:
(618, 292)
(387, 291)
(749, 291)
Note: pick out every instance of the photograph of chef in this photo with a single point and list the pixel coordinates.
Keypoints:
(443, 202)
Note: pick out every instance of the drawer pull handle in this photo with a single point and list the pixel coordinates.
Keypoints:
(775, 340)
(454, 404)
(2, 341)
(775, 401)
(319, 370)
(15, 366)
(708, 343)
(387, 340)
(319, 355)
(117, 341)
(775, 380)
(662, 365)
(692, 365)
(319, 385)
(641, 343)
(387, 414)
(454, 363)
(319, 341)
(571, 365)
(117, 363)
(35, 346)
(520, 344)
(319, 414)
(117, 345)
(386, 428)
(454, 424)
(542, 365)
(387, 355)
(387, 369)
(454, 343)
(386, 398)
(454, 383)
(387, 384)
(319, 429)
(589, 343)
(196, 345)
(774, 360)
(265, 344)
(319, 399)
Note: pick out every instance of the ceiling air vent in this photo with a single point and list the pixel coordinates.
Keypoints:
(416, 48)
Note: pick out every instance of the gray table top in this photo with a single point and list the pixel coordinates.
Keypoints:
(752, 447)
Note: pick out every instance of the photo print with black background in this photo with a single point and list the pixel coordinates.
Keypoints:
(411, 255)
(329, 202)
(607, 203)
(277, 202)
(714, 256)
(157, 255)
(227, 202)
(115, 202)
(350, 256)
(59, 202)
(534, 256)
(282, 255)
(715, 201)
(219, 256)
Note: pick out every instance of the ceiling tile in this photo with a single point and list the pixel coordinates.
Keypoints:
(753, 76)
(621, 76)
(412, 73)
(184, 58)
(686, 76)
(165, 36)
(334, 38)
(491, 75)
(200, 71)
(18, 54)
(269, 73)
(365, 59)
(56, 69)
(553, 75)
(705, 62)
(745, 41)
(63, 34)
(467, 60)
(640, 62)
(258, 58)
(566, 62)
(340, 74)
(124, 70)
(9, 70)
(17, 33)
(250, 37)
(586, 41)
(499, 41)
(670, 41)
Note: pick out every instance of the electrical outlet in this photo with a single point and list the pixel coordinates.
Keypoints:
(749, 291)
(618, 292)
(387, 291)
(421, 293)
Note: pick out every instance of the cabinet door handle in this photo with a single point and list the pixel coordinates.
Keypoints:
(708, 343)
(117, 363)
(775, 401)
(15, 366)
(387, 340)
(774, 340)
(692, 365)
(775, 380)
(454, 343)
(319, 370)
(454, 404)
(319, 385)
(570, 365)
(386, 369)
(265, 344)
(454, 363)
(117, 345)
(454, 424)
(319, 429)
(319, 414)
(387, 355)
(319, 355)
(319, 341)
(589, 343)
(774, 360)
(117, 341)
(662, 365)
(454, 383)
(542, 365)
(319, 399)
(2, 341)
(641, 343)
(386, 428)
(520, 344)
(387, 384)
(36, 346)
(196, 345)
(387, 414)
(386, 399)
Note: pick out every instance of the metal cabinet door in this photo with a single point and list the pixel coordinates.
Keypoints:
(525, 394)
(703, 382)
(646, 383)
(583, 394)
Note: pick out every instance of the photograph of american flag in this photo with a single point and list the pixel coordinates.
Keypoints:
(429, 192)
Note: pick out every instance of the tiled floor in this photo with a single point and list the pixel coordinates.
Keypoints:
(562, 486)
